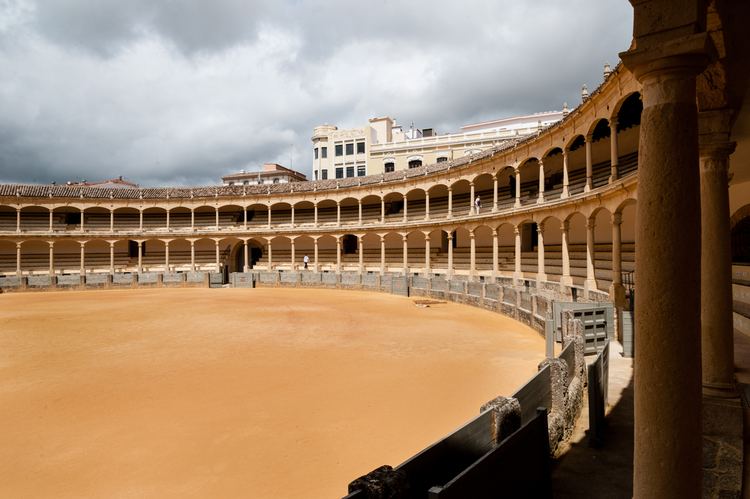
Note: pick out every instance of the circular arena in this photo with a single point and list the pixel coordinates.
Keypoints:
(637, 198)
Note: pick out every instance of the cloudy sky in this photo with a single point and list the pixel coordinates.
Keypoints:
(180, 92)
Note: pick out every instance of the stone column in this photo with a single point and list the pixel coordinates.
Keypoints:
(450, 254)
(18, 219)
(111, 221)
(18, 259)
(450, 202)
(315, 221)
(168, 211)
(217, 217)
(565, 192)
(338, 213)
(472, 254)
(426, 205)
(270, 256)
(406, 203)
(338, 254)
(589, 173)
(192, 256)
(246, 262)
(361, 249)
(495, 263)
(382, 210)
(83, 213)
(269, 216)
(51, 258)
(590, 283)
(292, 216)
(359, 209)
(616, 289)
(540, 197)
(140, 257)
(51, 219)
(218, 261)
(82, 270)
(192, 219)
(244, 217)
(494, 194)
(541, 274)
(613, 150)
(668, 444)
(427, 253)
(140, 220)
(517, 204)
(565, 279)
(518, 274)
(406, 253)
(472, 209)
(293, 255)
(111, 257)
(315, 241)
(166, 256)
(717, 330)
(382, 255)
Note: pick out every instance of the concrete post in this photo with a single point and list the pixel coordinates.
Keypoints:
(338, 255)
(717, 330)
(315, 244)
(83, 212)
(244, 217)
(359, 211)
(315, 221)
(565, 280)
(111, 220)
(541, 274)
(613, 149)
(338, 213)
(293, 255)
(668, 445)
(589, 173)
(218, 262)
(192, 219)
(269, 216)
(382, 210)
(472, 209)
(217, 217)
(18, 220)
(361, 250)
(140, 220)
(168, 211)
(51, 258)
(565, 192)
(52, 217)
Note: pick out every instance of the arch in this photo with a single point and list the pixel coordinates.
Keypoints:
(154, 218)
(34, 256)
(528, 170)
(231, 215)
(416, 204)
(370, 209)
(304, 214)
(67, 218)
(281, 214)
(95, 218)
(205, 217)
(552, 239)
(461, 197)
(349, 210)
(327, 212)
(628, 111)
(599, 129)
(97, 255)
(33, 219)
(7, 218)
(8, 257)
(179, 217)
(438, 201)
(126, 218)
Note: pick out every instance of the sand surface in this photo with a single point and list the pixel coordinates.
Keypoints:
(260, 393)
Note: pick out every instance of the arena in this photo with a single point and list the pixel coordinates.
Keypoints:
(637, 200)
(237, 393)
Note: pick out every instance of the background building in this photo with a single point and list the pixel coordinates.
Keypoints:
(383, 146)
(272, 173)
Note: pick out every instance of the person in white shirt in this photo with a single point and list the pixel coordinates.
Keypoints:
(306, 260)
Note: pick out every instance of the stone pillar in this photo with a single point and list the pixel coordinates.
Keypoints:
(51, 219)
(338, 213)
(541, 274)
(565, 192)
(565, 279)
(426, 205)
(166, 256)
(668, 445)
(338, 254)
(192, 219)
(406, 204)
(18, 219)
(361, 250)
(293, 255)
(382, 255)
(83, 212)
(270, 256)
(192, 256)
(517, 204)
(82, 270)
(315, 221)
(18, 259)
(427, 253)
(616, 289)
(111, 257)
(269, 216)
(218, 262)
(359, 211)
(518, 274)
(315, 243)
(140, 220)
(244, 217)
(589, 173)
(472, 208)
(472, 254)
(51, 258)
(292, 216)
(540, 197)
(246, 262)
(168, 211)
(590, 283)
(406, 253)
(717, 330)
(450, 202)
(494, 194)
(450, 254)
(382, 210)
(495, 263)
(217, 217)
(111, 221)
(613, 149)
(140, 257)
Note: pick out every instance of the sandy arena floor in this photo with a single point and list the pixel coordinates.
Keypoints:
(264, 393)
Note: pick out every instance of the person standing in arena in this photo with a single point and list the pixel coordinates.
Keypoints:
(306, 260)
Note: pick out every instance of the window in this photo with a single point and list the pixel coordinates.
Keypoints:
(360, 147)
(315, 173)
(275, 181)
(389, 167)
(323, 174)
(245, 182)
(231, 183)
(315, 153)
(415, 163)
(323, 152)
(349, 149)
(361, 170)
(339, 172)
(349, 171)
(339, 150)
(442, 159)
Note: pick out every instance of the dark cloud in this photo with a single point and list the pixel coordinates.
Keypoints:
(181, 92)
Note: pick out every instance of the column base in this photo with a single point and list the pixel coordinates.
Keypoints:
(589, 285)
(540, 200)
(541, 277)
(565, 193)
(566, 281)
(723, 429)
(587, 187)
(720, 390)
(517, 204)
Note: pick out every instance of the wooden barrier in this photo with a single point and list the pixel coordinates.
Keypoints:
(598, 377)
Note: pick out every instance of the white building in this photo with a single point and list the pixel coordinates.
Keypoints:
(272, 173)
(382, 146)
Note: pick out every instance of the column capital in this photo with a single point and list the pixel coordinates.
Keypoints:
(450, 236)
(687, 55)
(517, 230)
(565, 226)
(404, 238)
(540, 228)
(616, 218)
(18, 245)
(590, 224)
(613, 122)
(51, 244)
